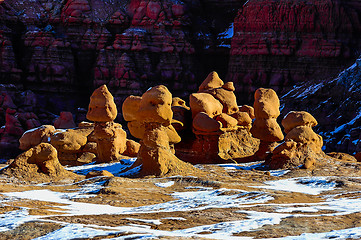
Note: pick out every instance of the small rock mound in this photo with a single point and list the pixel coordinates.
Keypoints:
(38, 164)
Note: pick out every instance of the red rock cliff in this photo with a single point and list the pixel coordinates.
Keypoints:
(278, 43)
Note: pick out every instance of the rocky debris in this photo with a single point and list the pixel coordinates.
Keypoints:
(64, 121)
(219, 131)
(109, 136)
(302, 146)
(279, 43)
(265, 126)
(152, 124)
(38, 164)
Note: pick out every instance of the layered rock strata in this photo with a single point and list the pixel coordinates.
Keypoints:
(279, 43)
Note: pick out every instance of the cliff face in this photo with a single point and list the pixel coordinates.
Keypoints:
(281, 43)
(336, 104)
(73, 46)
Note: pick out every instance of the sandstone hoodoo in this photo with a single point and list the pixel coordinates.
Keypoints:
(265, 126)
(219, 131)
(38, 164)
(302, 146)
(109, 136)
(151, 121)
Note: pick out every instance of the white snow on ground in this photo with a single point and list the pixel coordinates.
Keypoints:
(313, 185)
(164, 184)
(11, 220)
(117, 169)
(195, 199)
(351, 233)
(186, 201)
(251, 166)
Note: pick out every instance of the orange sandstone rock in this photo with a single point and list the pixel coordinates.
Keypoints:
(249, 110)
(266, 103)
(204, 123)
(298, 118)
(227, 121)
(243, 119)
(212, 81)
(102, 107)
(155, 106)
(130, 107)
(152, 124)
(204, 102)
(178, 102)
(38, 164)
(35, 136)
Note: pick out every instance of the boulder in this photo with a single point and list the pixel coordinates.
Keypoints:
(204, 123)
(212, 81)
(155, 106)
(204, 102)
(298, 118)
(102, 107)
(35, 136)
(130, 107)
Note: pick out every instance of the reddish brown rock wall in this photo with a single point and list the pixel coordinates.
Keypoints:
(279, 43)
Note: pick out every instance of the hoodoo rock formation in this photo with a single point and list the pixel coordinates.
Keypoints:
(265, 126)
(279, 43)
(302, 146)
(219, 131)
(150, 117)
(110, 137)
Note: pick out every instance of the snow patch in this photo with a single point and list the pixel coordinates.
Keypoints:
(312, 185)
(165, 184)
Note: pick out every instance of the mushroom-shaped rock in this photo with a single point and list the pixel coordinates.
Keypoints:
(265, 127)
(64, 121)
(212, 81)
(227, 121)
(249, 110)
(130, 108)
(243, 119)
(152, 124)
(155, 106)
(102, 107)
(35, 136)
(298, 118)
(39, 163)
(204, 123)
(204, 102)
(266, 103)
